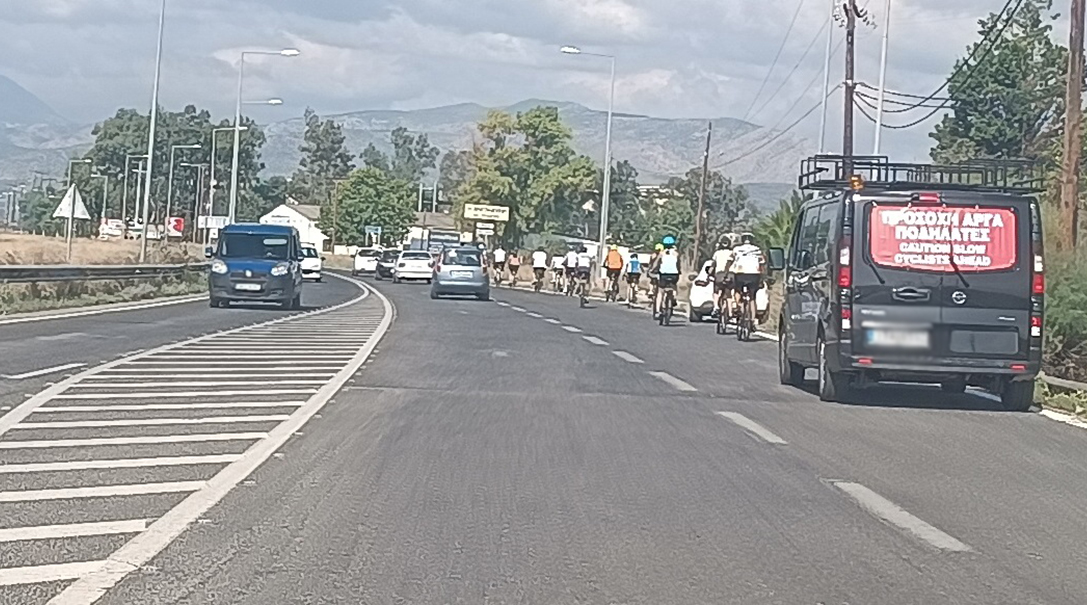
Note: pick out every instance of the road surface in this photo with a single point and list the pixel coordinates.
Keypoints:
(527, 451)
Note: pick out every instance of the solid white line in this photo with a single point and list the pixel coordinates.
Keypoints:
(45, 371)
(72, 530)
(1065, 418)
(86, 465)
(626, 357)
(248, 373)
(183, 394)
(899, 517)
(101, 491)
(596, 341)
(753, 427)
(257, 380)
(536, 315)
(13, 576)
(91, 424)
(234, 357)
(158, 536)
(126, 366)
(152, 440)
(572, 329)
(675, 382)
(152, 407)
(553, 321)
(118, 309)
(269, 352)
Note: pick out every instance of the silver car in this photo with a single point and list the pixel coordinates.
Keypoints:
(460, 271)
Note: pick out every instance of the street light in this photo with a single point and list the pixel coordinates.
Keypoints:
(287, 52)
(151, 132)
(71, 207)
(72, 163)
(124, 197)
(170, 181)
(199, 190)
(211, 176)
(605, 200)
(105, 193)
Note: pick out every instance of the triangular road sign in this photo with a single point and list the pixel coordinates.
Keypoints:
(64, 210)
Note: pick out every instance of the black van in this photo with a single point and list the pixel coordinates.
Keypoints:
(915, 273)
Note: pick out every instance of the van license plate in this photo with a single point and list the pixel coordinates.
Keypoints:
(898, 339)
(247, 287)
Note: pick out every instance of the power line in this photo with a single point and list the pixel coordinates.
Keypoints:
(774, 63)
(780, 133)
(899, 94)
(795, 67)
(871, 101)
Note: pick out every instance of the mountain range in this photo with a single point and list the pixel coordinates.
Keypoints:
(34, 137)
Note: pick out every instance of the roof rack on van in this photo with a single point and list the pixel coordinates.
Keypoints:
(823, 172)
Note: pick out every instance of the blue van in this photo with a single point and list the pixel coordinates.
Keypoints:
(259, 263)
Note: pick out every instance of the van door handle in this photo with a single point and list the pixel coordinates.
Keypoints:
(910, 294)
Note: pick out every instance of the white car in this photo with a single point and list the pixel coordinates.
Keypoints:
(365, 261)
(700, 301)
(414, 264)
(312, 263)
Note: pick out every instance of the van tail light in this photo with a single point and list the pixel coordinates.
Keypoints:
(1035, 326)
(1037, 286)
(845, 265)
(847, 318)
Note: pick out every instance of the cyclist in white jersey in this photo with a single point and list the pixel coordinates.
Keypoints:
(747, 267)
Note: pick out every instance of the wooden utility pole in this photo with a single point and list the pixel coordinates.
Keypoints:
(702, 197)
(851, 13)
(1073, 132)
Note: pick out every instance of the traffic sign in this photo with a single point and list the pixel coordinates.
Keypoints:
(484, 231)
(484, 212)
(371, 230)
(484, 225)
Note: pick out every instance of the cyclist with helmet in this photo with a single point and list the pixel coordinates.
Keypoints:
(667, 268)
(570, 263)
(613, 263)
(585, 262)
(634, 276)
(722, 276)
(651, 269)
(748, 264)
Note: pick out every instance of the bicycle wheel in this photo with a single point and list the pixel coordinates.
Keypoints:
(743, 329)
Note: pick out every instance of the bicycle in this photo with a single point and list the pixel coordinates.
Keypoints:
(571, 284)
(537, 285)
(668, 306)
(582, 292)
(632, 294)
(612, 294)
(745, 327)
(556, 281)
(724, 313)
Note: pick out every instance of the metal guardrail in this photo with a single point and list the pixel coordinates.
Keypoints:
(1062, 383)
(26, 274)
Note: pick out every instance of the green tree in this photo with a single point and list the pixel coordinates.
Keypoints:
(372, 157)
(1008, 102)
(454, 170)
(775, 229)
(370, 197)
(325, 159)
(626, 217)
(412, 155)
(726, 209)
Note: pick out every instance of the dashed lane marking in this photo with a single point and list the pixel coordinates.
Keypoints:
(753, 427)
(626, 357)
(596, 341)
(572, 329)
(895, 515)
(554, 322)
(679, 385)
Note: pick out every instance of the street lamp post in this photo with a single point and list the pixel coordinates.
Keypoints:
(211, 172)
(71, 207)
(199, 190)
(151, 132)
(105, 194)
(287, 52)
(605, 198)
(124, 196)
(170, 180)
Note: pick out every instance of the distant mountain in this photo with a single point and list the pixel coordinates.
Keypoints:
(659, 148)
(19, 106)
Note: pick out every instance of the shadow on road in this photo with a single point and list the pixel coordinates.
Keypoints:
(920, 397)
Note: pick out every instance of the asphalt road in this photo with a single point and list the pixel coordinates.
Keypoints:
(79, 342)
(527, 451)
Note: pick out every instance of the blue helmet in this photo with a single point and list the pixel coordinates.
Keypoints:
(669, 241)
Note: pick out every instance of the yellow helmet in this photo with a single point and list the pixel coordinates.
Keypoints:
(658, 247)
(614, 247)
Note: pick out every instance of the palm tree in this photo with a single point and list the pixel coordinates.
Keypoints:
(776, 229)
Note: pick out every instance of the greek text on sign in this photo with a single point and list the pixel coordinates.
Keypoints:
(939, 239)
(482, 212)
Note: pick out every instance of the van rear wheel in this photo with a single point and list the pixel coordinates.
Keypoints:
(792, 374)
(833, 386)
(1018, 396)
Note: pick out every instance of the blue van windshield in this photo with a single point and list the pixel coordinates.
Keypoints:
(254, 245)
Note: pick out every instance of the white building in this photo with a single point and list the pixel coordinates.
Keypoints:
(300, 216)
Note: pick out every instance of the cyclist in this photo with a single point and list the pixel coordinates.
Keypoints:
(748, 264)
(570, 263)
(613, 263)
(634, 276)
(722, 276)
(585, 262)
(499, 258)
(539, 266)
(515, 266)
(668, 268)
(557, 271)
(654, 273)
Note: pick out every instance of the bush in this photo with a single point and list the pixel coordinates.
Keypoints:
(1066, 317)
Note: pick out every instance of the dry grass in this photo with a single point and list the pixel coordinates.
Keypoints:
(23, 298)
(25, 249)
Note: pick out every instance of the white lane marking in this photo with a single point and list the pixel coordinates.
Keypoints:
(626, 357)
(553, 322)
(180, 394)
(321, 370)
(535, 315)
(101, 491)
(72, 530)
(572, 329)
(45, 371)
(151, 440)
(767, 336)
(155, 373)
(153, 407)
(56, 572)
(519, 309)
(92, 424)
(1065, 418)
(118, 309)
(899, 517)
(753, 427)
(675, 382)
(277, 357)
(141, 549)
(596, 341)
(86, 465)
(271, 352)
(128, 366)
(501, 304)
(257, 380)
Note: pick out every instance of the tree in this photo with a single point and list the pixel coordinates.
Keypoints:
(775, 229)
(726, 209)
(412, 155)
(272, 192)
(372, 157)
(325, 159)
(370, 197)
(454, 170)
(626, 217)
(1008, 102)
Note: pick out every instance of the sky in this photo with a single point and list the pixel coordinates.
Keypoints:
(674, 58)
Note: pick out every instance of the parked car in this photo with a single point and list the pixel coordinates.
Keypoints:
(365, 261)
(414, 265)
(252, 262)
(700, 301)
(386, 264)
(312, 263)
(915, 282)
(460, 271)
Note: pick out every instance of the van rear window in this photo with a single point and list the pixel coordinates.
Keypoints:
(937, 238)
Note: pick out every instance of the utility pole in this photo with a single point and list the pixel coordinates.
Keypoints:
(1073, 133)
(851, 12)
(826, 79)
(702, 197)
